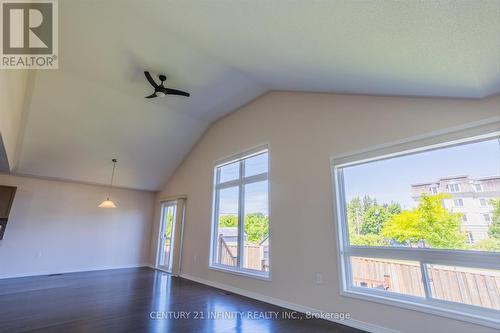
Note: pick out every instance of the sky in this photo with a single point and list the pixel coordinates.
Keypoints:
(391, 180)
(256, 200)
(386, 180)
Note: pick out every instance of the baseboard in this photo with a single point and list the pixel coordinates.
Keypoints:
(86, 269)
(288, 305)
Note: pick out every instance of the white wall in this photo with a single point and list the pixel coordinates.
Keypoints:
(56, 226)
(304, 130)
(13, 85)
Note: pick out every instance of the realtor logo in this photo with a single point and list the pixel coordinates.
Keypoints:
(29, 34)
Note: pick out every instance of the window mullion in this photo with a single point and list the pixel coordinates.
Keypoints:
(255, 178)
(241, 210)
(215, 236)
(425, 280)
(487, 260)
(231, 183)
(342, 226)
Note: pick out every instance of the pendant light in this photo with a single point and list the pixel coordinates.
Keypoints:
(108, 203)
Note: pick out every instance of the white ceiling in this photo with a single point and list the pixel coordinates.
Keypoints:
(226, 53)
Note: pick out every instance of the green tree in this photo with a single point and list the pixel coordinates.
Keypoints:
(226, 221)
(367, 202)
(256, 226)
(170, 221)
(369, 240)
(354, 216)
(393, 208)
(373, 219)
(365, 219)
(488, 244)
(494, 229)
(429, 222)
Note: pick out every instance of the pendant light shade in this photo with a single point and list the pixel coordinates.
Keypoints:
(108, 203)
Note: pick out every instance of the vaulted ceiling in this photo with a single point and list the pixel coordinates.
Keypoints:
(226, 53)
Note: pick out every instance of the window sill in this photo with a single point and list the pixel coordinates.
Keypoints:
(488, 319)
(246, 273)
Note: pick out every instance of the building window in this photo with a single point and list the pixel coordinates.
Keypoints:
(487, 217)
(433, 190)
(241, 237)
(400, 243)
(483, 202)
(470, 237)
(478, 188)
(453, 188)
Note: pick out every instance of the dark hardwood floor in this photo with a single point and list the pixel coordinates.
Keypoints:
(124, 300)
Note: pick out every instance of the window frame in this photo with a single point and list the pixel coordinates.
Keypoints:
(451, 187)
(240, 182)
(470, 237)
(466, 258)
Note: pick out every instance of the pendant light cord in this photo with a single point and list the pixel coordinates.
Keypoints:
(112, 176)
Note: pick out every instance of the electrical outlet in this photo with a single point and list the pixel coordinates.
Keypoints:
(195, 258)
(319, 278)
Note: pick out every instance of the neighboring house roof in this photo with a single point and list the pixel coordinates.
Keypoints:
(228, 231)
(454, 177)
(447, 179)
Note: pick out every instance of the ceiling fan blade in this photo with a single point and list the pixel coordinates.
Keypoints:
(176, 92)
(150, 79)
(153, 95)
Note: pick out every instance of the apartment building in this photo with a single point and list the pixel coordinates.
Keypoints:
(470, 197)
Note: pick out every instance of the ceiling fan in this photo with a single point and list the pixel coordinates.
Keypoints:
(161, 90)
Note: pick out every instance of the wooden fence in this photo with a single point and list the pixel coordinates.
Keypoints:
(476, 287)
(252, 254)
(389, 275)
(469, 286)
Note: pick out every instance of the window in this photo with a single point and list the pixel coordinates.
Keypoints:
(470, 237)
(487, 217)
(401, 243)
(483, 202)
(478, 188)
(453, 188)
(240, 240)
(433, 190)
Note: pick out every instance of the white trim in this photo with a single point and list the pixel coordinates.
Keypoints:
(171, 198)
(437, 140)
(372, 328)
(256, 150)
(408, 303)
(429, 141)
(241, 272)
